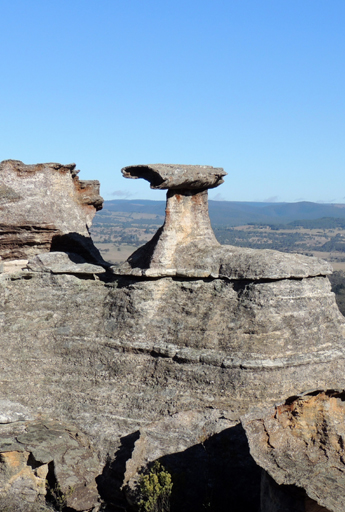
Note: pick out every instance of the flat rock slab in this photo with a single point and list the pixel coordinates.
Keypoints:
(196, 260)
(63, 263)
(177, 176)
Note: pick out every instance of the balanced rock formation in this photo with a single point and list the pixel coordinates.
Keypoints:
(186, 245)
(227, 307)
(185, 329)
(44, 207)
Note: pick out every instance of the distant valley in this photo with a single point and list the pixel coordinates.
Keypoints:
(309, 228)
(293, 227)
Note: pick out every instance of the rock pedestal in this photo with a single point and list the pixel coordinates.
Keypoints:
(186, 223)
(186, 246)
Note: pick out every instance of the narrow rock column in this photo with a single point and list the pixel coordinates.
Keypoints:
(187, 220)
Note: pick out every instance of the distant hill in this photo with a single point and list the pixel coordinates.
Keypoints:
(135, 206)
(322, 223)
(236, 213)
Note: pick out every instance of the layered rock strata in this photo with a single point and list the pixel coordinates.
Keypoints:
(183, 328)
(44, 207)
(260, 299)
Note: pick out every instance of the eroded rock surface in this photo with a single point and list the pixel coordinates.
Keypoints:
(115, 356)
(43, 205)
(63, 263)
(186, 246)
(47, 460)
(184, 331)
(301, 443)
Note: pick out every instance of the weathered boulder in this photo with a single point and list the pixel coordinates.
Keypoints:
(45, 206)
(46, 459)
(63, 263)
(301, 443)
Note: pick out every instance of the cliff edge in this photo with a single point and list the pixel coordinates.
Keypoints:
(158, 358)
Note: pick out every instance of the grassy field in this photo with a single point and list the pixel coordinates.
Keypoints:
(115, 253)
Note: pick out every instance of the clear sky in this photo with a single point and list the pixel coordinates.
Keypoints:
(254, 86)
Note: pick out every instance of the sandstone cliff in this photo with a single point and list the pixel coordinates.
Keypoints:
(45, 207)
(163, 355)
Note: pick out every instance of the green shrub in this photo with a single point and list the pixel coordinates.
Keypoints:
(155, 490)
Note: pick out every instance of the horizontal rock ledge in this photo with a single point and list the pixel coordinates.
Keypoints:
(232, 263)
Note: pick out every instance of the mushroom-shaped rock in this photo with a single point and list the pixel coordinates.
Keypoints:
(267, 320)
(186, 246)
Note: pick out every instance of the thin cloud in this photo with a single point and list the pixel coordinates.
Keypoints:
(124, 194)
(272, 199)
(218, 197)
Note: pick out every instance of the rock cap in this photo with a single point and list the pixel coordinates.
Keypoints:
(177, 176)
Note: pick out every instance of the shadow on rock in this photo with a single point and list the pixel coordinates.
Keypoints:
(216, 475)
(110, 481)
(78, 244)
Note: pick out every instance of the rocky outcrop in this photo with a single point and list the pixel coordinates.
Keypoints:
(44, 207)
(186, 246)
(301, 443)
(179, 342)
(46, 460)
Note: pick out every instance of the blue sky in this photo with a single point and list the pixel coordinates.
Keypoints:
(254, 86)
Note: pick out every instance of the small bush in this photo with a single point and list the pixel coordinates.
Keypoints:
(155, 490)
